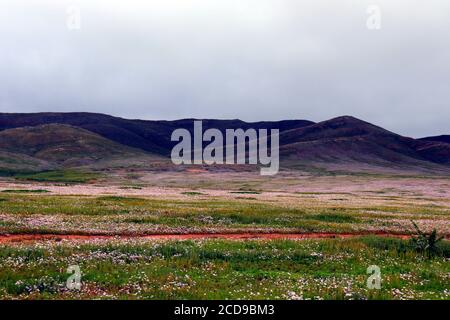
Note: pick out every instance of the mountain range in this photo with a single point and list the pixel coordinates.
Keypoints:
(48, 141)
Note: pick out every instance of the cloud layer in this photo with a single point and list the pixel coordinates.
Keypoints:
(248, 59)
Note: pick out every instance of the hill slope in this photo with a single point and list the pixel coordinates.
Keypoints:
(442, 138)
(151, 136)
(62, 145)
(74, 139)
(11, 163)
(350, 141)
(435, 151)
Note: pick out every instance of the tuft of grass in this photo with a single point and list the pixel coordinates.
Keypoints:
(24, 191)
(118, 198)
(246, 192)
(332, 217)
(426, 243)
(402, 246)
(192, 193)
(12, 173)
(130, 187)
(67, 176)
(386, 244)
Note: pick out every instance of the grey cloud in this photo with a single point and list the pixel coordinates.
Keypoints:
(248, 59)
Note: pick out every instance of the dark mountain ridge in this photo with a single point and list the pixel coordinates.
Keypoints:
(152, 136)
(345, 140)
(348, 138)
(442, 138)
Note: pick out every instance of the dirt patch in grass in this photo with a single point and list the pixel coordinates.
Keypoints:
(228, 236)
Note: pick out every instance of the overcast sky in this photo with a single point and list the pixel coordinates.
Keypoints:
(248, 59)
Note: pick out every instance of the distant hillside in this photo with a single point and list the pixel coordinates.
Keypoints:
(350, 140)
(435, 151)
(151, 136)
(442, 138)
(44, 140)
(61, 144)
(13, 163)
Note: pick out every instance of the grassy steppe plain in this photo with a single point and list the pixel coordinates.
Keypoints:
(219, 269)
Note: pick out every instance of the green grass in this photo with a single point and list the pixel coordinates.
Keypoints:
(192, 193)
(119, 199)
(113, 213)
(24, 191)
(67, 176)
(4, 172)
(220, 269)
(246, 192)
(215, 269)
(120, 214)
(131, 187)
(334, 217)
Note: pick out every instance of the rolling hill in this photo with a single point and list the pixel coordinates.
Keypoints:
(55, 145)
(151, 136)
(350, 141)
(438, 152)
(11, 163)
(347, 137)
(48, 140)
(442, 138)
